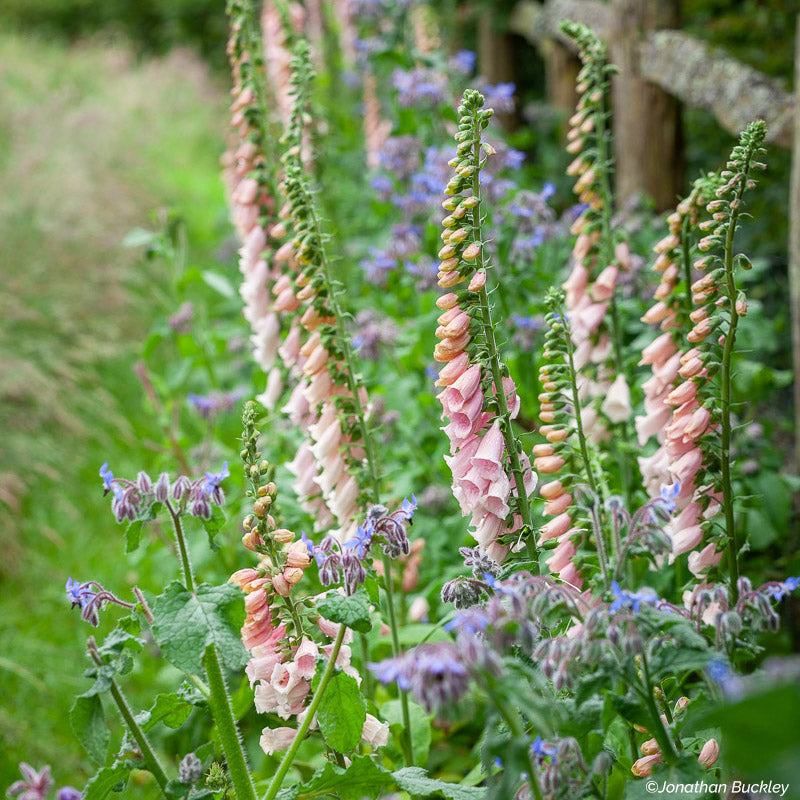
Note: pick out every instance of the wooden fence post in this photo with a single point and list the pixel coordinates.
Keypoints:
(647, 121)
(794, 248)
(496, 61)
(561, 73)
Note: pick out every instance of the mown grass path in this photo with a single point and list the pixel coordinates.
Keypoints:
(90, 142)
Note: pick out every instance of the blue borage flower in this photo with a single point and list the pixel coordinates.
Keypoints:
(360, 543)
(108, 482)
(214, 479)
(463, 61)
(310, 546)
(91, 598)
(211, 405)
(632, 600)
(779, 590)
(543, 749)
(78, 594)
(433, 673)
(669, 495)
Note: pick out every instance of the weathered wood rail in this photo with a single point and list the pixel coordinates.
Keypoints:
(661, 67)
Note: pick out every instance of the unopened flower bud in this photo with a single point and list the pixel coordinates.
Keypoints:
(161, 489)
(478, 281)
(144, 483)
(252, 540)
(297, 555)
(644, 766)
(260, 508)
(281, 585)
(741, 304)
(680, 704)
(471, 252)
(292, 575)
(650, 747)
(283, 536)
(709, 754)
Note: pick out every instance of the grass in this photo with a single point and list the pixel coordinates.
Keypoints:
(90, 141)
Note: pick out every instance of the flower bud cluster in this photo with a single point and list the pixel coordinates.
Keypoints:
(281, 666)
(690, 412)
(286, 558)
(136, 500)
(562, 415)
(490, 470)
(752, 613)
(91, 598)
(330, 387)
(597, 263)
(672, 412)
(345, 563)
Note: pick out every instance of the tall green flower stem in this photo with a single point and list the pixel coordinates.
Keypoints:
(749, 146)
(593, 54)
(222, 711)
(288, 758)
(487, 325)
(218, 697)
(142, 742)
(660, 733)
(369, 448)
(576, 405)
(183, 550)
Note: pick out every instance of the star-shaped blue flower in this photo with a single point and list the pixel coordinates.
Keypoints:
(214, 479)
(632, 600)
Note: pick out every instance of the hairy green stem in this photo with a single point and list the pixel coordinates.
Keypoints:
(727, 357)
(512, 719)
(186, 564)
(221, 710)
(145, 748)
(660, 733)
(288, 758)
(686, 251)
(576, 404)
(487, 325)
(142, 742)
(607, 254)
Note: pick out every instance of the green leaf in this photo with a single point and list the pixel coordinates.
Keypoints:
(342, 712)
(219, 283)
(133, 535)
(760, 734)
(213, 526)
(102, 679)
(363, 778)
(119, 639)
(415, 781)
(170, 709)
(105, 780)
(184, 624)
(351, 611)
(392, 712)
(89, 724)
(418, 632)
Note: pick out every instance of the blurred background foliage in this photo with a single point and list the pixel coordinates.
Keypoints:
(112, 113)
